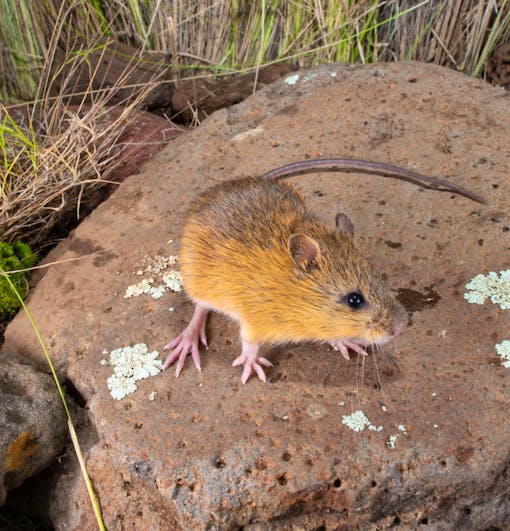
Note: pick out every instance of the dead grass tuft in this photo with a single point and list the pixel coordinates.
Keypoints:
(460, 34)
(54, 152)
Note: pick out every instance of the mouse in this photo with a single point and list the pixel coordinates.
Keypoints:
(253, 251)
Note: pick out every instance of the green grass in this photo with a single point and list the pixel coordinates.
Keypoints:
(237, 35)
(16, 143)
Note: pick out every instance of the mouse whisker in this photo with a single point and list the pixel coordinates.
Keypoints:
(375, 351)
(360, 375)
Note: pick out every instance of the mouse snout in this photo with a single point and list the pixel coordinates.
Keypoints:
(399, 321)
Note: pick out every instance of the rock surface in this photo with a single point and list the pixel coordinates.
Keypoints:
(145, 136)
(210, 453)
(34, 426)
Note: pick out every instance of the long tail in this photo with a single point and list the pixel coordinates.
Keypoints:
(364, 166)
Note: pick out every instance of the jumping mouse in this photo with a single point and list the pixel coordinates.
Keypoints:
(252, 250)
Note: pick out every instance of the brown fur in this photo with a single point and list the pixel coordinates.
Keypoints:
(235, 258)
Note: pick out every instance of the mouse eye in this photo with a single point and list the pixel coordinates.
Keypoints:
(355, 300)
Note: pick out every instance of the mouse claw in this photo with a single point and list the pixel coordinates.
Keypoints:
(203, 338)
(252, 362)
(344, 345)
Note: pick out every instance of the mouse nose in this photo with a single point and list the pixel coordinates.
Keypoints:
(399, 321)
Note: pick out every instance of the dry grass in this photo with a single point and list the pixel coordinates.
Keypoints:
(53, 153)
(231, 34)
(457, 33)
(213, 36)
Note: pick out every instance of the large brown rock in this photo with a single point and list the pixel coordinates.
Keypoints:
(210, 453)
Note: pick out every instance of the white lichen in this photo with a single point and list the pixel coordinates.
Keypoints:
(135, 290)
(493, 287)
(156, 292)
(173, 280)
(309, 77)
(503, 350)
(496, 288)
(158, 266)
(292, 80)
(130, 364)
(356, 421)
(121, 386)
(390, 443)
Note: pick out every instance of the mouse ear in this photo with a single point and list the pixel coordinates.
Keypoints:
(305, 251)
(344, 224)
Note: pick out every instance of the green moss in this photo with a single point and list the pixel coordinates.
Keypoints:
(14, 257)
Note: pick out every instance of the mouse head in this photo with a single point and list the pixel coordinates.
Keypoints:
(343, 297)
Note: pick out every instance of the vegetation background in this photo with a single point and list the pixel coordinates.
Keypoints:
(57, 147)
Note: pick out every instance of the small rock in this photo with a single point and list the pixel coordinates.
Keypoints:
(33, 422)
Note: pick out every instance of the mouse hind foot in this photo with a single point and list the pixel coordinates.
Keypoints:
(187, 341)
(252, 362)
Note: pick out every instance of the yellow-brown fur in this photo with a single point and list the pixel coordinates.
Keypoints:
(235, 258)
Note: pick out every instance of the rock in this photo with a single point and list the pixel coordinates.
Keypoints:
(117, 68)
(34, 425)
(145, 135)
(123, 72)
(209, 453)
(204, 96)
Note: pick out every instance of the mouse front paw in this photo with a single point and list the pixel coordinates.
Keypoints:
(252, 362)
(344, 345)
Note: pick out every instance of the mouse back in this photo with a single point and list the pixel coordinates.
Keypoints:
(244, 209)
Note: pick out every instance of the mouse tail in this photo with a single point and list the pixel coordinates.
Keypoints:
(364, 166)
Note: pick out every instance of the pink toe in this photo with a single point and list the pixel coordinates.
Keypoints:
(195, 356)
(171, 358)
(345, 352)
(260, 372)
(172, 344)
(203, 339)
(246, 374)
(180, 364)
